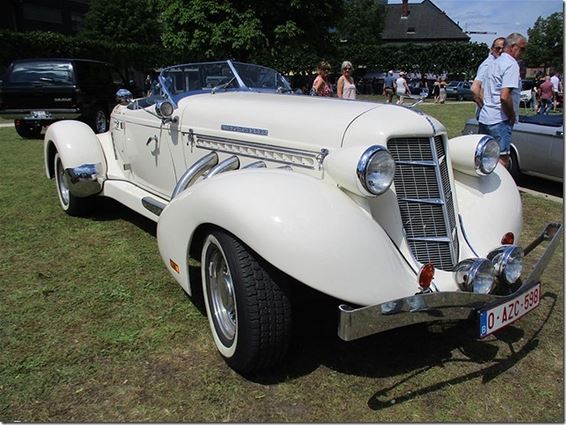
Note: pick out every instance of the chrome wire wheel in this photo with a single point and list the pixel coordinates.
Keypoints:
(62, 187)
(221, 291)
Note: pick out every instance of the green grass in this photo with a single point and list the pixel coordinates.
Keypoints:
(94, 329)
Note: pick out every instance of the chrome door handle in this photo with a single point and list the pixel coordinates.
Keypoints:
(151, 139)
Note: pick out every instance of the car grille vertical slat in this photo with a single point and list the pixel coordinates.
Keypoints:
(422, 184)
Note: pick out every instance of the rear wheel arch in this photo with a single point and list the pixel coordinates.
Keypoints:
(50, 159)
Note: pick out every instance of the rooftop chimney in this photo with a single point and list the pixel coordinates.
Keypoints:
(405, 9)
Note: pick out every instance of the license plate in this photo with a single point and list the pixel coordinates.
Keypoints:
(39, 115)
(506, 313)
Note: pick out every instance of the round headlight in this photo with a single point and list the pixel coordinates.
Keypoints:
(508, 262)
(487, 155)
(376, 169)
(475, 275)
(164, 108)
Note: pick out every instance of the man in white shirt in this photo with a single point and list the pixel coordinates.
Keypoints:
(502, 94)
(477, 85)
(555, 80)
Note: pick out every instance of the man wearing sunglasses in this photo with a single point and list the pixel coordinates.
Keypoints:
(477, 89)
(502, 93)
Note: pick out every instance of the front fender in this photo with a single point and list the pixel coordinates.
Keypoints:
(305, 227)
(76, 144)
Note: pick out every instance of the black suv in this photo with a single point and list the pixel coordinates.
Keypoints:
(36, 92)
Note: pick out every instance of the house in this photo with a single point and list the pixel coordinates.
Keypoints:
(419, 23)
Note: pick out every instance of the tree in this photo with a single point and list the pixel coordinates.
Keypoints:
(546, 42)
(122, 21)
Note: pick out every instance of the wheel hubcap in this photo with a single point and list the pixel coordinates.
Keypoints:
(63, 189)
(221, 289)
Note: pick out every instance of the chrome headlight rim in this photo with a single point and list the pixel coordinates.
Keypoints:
(472, 268)
(501, 259)
(363, 164)
(479, 156)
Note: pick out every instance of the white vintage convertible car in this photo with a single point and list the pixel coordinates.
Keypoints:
(369, 203)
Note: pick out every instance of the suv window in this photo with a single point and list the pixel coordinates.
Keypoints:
(44, 72)
(93, 73)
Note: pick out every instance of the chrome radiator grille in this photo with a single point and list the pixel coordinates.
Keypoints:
(425, 199)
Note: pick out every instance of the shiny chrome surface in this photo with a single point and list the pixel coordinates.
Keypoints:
(425, 199)
(229, 164)
(256, 164)
(478, 156)
(153, 205)
(83, 181)
(362, 166)
(437, 306)
(222, 301)
(194, 172)
(124, 97)
(25, 114)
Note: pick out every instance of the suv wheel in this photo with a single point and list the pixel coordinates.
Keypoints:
(99, 121)
(27, 131)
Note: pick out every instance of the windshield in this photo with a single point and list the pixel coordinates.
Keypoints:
(44, 72)
(183, 80)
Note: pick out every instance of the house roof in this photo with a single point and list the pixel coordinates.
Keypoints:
(426, 22)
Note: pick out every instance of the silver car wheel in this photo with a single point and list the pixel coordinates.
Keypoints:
(221, 290)
(61, 184)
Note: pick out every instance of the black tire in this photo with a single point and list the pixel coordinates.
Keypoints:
(99, 120)
(71, 204)
(460, 98)
(249, 312)
(28, 131)
(513, 166)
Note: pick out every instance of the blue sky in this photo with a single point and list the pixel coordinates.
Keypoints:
(500, 16)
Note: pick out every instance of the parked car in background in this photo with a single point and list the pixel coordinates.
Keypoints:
(368, 203)
(459, 90)
(37, 92)
(537, 146)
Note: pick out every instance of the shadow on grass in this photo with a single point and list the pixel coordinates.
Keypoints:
(108, 209)
(411, 350)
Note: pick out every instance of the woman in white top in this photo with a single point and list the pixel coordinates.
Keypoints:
(345, 88)
(401, 88)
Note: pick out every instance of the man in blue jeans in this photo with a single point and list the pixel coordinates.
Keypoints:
(502, 94)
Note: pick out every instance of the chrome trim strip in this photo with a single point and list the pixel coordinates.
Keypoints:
(422, 163)
(245, 130)
(444, 239)
(461, 220)
(229, 164)
(153, 205)
(256, 164)
(194, 172)
(83, 180)
(432, 201)
(445, 211)
(266, 152)
(238, 78)
(437, 306)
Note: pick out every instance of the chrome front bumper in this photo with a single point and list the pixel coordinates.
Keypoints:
(437, 306)
(84, 180)
(40, 115)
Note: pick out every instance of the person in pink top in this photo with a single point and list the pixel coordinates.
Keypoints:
(321, 86)
(546, 96)
(345, 88)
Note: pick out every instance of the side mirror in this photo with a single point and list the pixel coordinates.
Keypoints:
(124, 97)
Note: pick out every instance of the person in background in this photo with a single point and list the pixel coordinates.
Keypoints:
(546, 90)
(556, 89)
(147, 85)
(401, 88)
(345, 88)
(502, 94)
(436, 90)
(442, 90)
(321, 86)
(389, 87)
(477, 85)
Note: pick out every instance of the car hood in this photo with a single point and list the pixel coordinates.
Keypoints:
(300, 121)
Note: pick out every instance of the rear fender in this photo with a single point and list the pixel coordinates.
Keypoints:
(76, 144)
(305, 227)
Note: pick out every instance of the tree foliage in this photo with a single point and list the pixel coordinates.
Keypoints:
(122, 21)
(546, 42)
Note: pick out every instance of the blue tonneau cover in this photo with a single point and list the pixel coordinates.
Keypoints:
(548, 120)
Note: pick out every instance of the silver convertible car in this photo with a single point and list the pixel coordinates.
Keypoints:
(537, 146)
(268, 191)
